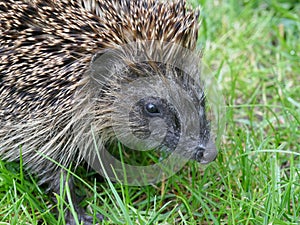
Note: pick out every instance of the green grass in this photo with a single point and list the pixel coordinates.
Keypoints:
(253, 48)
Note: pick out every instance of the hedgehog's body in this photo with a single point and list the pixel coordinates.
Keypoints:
(46, 48)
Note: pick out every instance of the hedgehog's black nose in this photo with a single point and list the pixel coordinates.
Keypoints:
(199, 151)
(206, 154)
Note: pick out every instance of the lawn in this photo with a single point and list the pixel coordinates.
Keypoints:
(252, 48)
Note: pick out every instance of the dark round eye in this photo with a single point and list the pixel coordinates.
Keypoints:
(152, 108)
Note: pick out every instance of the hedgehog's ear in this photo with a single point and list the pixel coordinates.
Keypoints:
(103, 65)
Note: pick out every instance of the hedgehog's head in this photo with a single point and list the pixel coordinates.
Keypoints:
(153, 99)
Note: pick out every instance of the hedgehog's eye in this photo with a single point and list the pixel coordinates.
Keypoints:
(152, 109)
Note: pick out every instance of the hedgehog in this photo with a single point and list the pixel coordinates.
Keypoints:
(50, 54)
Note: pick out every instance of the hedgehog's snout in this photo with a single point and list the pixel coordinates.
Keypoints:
(206, 154)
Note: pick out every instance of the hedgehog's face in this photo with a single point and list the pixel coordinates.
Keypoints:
(154, 101)
(153, 108)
